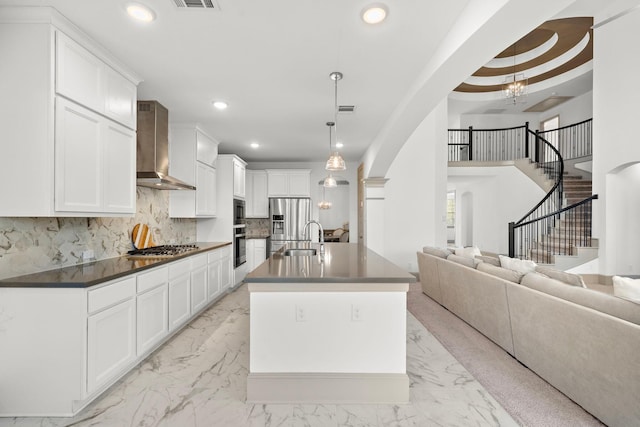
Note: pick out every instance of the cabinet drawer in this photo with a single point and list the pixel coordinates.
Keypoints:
(152, 279)
(198, 261)
(179, 268)
(225, 251)
(111, 294)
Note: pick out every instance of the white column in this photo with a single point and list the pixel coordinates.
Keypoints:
(374, 214)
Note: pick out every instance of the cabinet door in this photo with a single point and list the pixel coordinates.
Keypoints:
(259, 196)
(152, 314)
(213, 280)
(238, 179)
(225, 272)
(119, 169)
(205, 190)
(78, 158)
(250, 254)
(206, 149)
(110, 343)
(120, 98)
(278, 184)
(198, 288)
(179, 303)
(79, 73)
(299, 184)
(259, 252)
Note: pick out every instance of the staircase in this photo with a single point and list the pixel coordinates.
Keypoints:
(568, 242)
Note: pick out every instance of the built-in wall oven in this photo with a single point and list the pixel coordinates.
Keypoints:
(239, 233)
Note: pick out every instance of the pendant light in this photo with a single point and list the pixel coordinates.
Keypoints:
(330, 181)
(335, 162)
(515, 86)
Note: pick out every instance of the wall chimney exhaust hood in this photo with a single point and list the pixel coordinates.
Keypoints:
(153, 149)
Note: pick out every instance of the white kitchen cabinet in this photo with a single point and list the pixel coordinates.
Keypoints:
(95, 160)
(256, 252)
(226, 268)
(111, 332)
(239, 178)
(213, 276)
(179, 293)
(289, 182)
(198, 282)
(257, 199)
(152, 309)
(57, 61)
(192, 156)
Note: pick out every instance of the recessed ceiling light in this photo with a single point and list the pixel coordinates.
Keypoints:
(140, 12)
(220, 105)
(375, 13)
(339, 145)
(255, 145)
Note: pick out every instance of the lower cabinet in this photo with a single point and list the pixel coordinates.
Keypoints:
(152, 305)
(198, 282)
(256, 252)
(179, 293)
(111, 345)
(226, 269)
(213, 287)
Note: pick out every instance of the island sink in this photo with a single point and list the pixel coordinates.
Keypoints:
(300, 252)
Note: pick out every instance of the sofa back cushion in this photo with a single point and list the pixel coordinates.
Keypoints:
(503, 273)
(627, 288)
(568, 278)
(468, 252)
(439, 252)
(595, 300)
(468, 262)
(524, 266)
(489, 259)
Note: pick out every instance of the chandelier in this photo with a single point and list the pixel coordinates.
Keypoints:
(330, 181)
(335, 162)
(324, 203)
(515, 85)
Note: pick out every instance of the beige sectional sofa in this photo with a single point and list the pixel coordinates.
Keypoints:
(584, 342)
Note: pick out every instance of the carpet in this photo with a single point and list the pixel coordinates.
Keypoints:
(529, 399)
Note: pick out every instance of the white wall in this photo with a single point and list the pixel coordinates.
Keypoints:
(499, 195)
(318, 173)
(615, 115)
(498, 121)
(416, 193)
(573, 111)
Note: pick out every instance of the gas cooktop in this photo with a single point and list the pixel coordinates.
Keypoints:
(164, 251)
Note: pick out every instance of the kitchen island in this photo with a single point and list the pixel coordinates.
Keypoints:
(328, 329)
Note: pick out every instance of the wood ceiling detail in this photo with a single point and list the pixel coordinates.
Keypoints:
(570, 32)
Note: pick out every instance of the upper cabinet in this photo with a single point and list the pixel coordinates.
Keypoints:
(239, 178)
(68, 148)
(289, 182)
(256, 194)
(192, 156)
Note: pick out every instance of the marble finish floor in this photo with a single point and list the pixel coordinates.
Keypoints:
(198, 378)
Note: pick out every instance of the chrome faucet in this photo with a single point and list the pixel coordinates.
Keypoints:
(313, 221)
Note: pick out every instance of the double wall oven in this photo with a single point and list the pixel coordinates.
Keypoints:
(239, 233)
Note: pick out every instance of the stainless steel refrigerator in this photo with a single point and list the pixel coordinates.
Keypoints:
(287, 219)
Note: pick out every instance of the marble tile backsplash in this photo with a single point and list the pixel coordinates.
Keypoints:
(29, 245)
(257, 226)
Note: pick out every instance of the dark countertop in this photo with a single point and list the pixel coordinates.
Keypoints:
(94, 273)
(343, 263)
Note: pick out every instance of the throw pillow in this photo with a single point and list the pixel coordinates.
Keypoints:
(503, 273)
(489, 259)
(468, 262)
(627, 288)
(439, 252)
(523, 266)
(563, 276)
(468, 252)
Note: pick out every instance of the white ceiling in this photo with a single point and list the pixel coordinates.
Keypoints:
(271, 62)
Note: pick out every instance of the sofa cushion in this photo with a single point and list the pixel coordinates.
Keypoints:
(629, 289)
(523, 266)
(599, 301)
(468, 252)
(563, 276)
(503, 273)
(489, 259)
(439, 252)
(468, 262)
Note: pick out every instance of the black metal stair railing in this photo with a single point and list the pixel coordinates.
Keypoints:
(548, 228)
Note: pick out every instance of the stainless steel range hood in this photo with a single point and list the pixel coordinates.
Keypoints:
(153, 149)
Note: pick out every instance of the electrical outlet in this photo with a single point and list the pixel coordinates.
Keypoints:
(301, 314)
(88, 255)
(356, 313)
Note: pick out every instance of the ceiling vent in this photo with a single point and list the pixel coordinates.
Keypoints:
(197, 4)
(346, 109)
